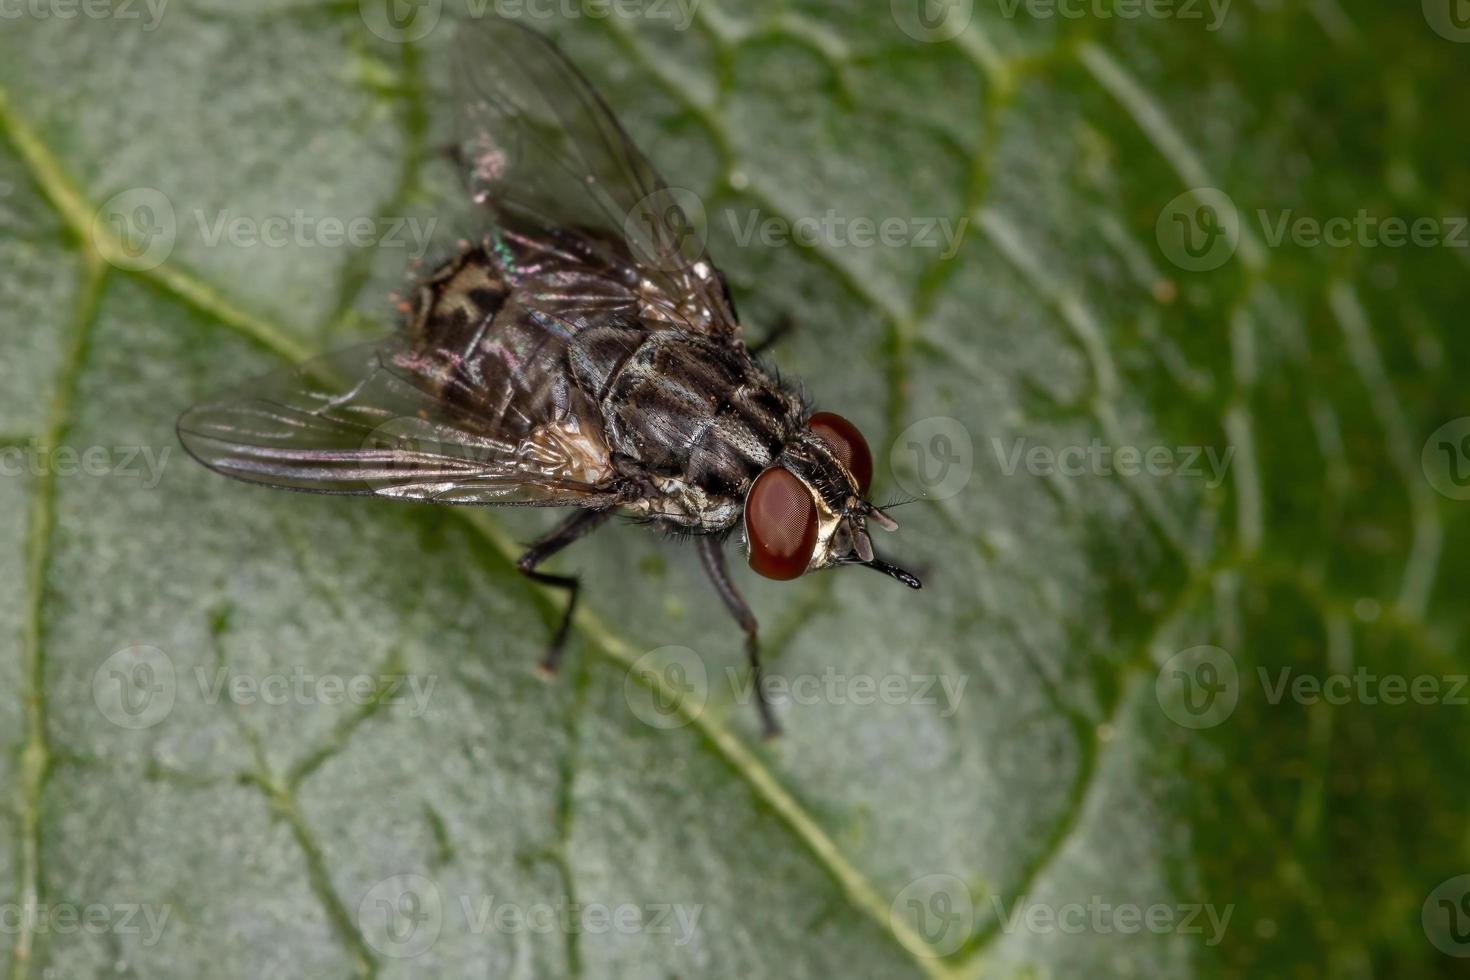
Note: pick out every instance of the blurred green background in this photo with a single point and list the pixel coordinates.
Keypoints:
(1144, 774)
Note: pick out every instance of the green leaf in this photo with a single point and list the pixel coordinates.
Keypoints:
(1134, 778)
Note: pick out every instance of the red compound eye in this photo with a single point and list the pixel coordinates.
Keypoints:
(781, 523)
(848, 443)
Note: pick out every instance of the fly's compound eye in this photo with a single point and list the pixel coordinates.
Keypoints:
(849, 445)
(781, 523)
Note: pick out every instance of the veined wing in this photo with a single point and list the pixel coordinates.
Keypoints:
(547, 156)
(375, 419)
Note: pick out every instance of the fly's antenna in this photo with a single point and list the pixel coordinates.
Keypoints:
(879, 518)
(897, 502)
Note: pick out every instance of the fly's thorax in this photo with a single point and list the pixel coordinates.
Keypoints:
(684, 408)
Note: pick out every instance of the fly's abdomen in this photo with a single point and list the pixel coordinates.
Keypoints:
(454, 303)
(684, 407)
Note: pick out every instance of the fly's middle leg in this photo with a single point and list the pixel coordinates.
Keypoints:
(781, 328)
(576, 526)
(713, 558)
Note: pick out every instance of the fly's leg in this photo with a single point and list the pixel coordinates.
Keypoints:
(713, 558)
(568, 531)
(780, 329)
(452, 152)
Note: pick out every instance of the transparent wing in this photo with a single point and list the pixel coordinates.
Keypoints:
(372, 420)
(546, 155)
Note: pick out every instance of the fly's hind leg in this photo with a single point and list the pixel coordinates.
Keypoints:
(713, 557)
(568, 531)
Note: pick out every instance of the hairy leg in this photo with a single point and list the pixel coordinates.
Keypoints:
(574, 527)
(781, 328)
(713, 558)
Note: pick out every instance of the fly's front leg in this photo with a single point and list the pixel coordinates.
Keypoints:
(569, 530)
(713, 557)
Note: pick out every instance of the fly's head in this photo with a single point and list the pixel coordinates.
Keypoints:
(807, 510)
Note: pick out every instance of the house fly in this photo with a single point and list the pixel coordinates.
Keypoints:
(584, 352)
